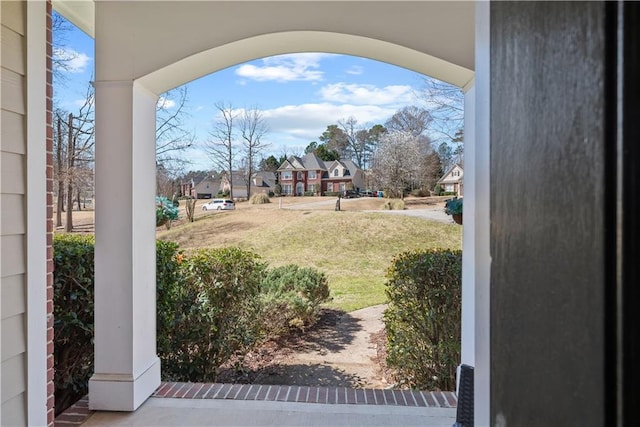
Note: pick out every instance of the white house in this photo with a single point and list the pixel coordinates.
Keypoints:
(452, 181)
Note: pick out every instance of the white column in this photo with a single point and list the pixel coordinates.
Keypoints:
(127, 369)
(36, 213)
(468, 232)
(482, 256)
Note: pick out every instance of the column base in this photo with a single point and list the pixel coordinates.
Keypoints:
(122, 392)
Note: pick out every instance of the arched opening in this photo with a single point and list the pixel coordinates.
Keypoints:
(132, 129)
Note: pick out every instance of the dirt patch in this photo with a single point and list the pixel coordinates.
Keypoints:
(341, 350)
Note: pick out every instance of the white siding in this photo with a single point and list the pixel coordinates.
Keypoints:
(13, 265)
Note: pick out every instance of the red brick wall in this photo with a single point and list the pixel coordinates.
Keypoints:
(49, 147)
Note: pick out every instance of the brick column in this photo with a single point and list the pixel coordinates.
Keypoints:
(49, 166)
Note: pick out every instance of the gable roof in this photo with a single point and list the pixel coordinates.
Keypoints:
(451, 169)
(305, 163)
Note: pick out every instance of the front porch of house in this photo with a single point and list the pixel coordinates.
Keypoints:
(549, 304)
(179, 404)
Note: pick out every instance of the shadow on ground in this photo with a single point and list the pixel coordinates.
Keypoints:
(312, 375)
(333, 332)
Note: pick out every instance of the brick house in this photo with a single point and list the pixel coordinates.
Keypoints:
(309, 174)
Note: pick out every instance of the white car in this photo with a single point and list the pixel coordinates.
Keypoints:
(219, 205)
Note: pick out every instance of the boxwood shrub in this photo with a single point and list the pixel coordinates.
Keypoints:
(215, 313)
(423, 318)
(291, 297)
(73, 317)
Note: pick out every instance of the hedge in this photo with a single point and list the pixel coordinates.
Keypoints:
(423, 318)
(211, 305)
(73, 317)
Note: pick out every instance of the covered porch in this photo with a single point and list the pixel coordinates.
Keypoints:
(550, 298)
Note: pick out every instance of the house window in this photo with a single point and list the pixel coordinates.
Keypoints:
(286, 189)
(342, 187)
(312, 174)
(335, 172)
(300, 176)
(286, 175)
(449, 188)
(330, 187)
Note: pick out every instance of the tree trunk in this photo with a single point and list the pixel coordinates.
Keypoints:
(60, 177)
(70, 150)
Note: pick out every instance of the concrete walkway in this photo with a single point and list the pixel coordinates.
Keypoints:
(199, 412)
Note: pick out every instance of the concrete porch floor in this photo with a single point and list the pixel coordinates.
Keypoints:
(210, 404)
(211, 412)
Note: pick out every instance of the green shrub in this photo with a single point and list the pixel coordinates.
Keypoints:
(73, 279)
(278, 190)
(166, 211)
(291, 298)
(423, 318)
(332, 193)
(169, 282)
(216, 313)
(448, 193)
(259, 199)
(437, 190)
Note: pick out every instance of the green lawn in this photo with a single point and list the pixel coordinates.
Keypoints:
(354, 249)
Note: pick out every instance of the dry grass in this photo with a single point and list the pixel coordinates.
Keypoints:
(354, 248)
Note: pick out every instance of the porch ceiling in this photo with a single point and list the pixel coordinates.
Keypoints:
(435, 38)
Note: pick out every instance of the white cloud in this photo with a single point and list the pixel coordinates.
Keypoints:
(355, 70)
(306, 122)
(165, 103)
(74, 62)
(285, 68)
(367, 94)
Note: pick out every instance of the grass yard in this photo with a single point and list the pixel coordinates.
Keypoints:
(353, 248)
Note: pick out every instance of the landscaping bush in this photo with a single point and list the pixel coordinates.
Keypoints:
(73, 278)
(393, 205)
(166, 211)
(332, 193)
(423, 318)
(419, 192)
(291, 298)
(169, 282)
(216, 313)
(259, 199)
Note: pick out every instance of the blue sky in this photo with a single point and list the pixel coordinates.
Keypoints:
(299, 94)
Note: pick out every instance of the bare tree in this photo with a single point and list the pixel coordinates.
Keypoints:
(172, 135)
(397, 161)
(74, 139)
(355, 138)
(221, 145)
(59, 169)
(445, 104)
(412, 119)
(62, 57)
(252, 128)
